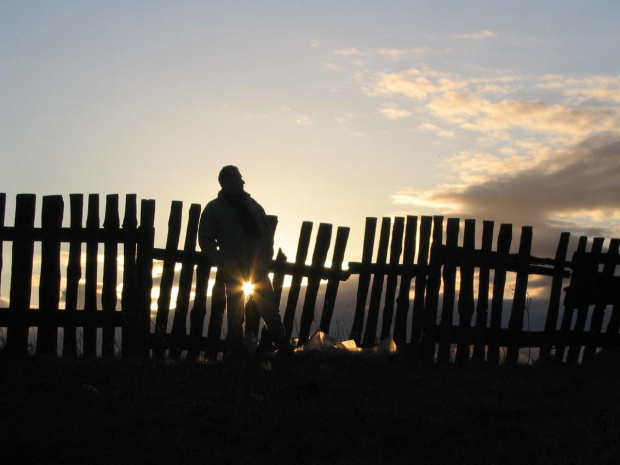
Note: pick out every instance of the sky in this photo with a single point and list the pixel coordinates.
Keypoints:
(333, 111)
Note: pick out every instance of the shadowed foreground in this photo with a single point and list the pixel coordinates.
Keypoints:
(316, 408)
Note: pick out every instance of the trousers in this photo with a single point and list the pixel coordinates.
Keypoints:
(265, 300)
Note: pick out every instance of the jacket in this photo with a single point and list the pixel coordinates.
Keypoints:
(227, 245)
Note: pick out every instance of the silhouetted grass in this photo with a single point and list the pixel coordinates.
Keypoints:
(317, 408)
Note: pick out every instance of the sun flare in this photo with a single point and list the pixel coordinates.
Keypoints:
(248, 288)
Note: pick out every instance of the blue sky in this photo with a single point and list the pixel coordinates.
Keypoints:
(334, 111)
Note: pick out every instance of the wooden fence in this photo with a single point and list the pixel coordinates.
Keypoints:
(415, 256)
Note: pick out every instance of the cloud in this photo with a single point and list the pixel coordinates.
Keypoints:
(480, 35)
(392, 111)
(575, 189)
(348, 52)
(437, 129)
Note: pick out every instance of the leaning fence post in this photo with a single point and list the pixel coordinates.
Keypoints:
(319, 256)
(520, 297)
(179, 323)
(363, 280)
(167, 278)
(342, 235)
(49, 286)
(417, 320)
(431, 303)
(370, 333)
(555, 294)
(598, 314)
(21, 275)
(294, 290)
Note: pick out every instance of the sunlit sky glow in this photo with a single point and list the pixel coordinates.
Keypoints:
(334, 111)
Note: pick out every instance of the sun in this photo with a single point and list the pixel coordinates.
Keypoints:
(248, 288)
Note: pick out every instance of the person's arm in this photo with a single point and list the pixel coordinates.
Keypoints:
(207, 236)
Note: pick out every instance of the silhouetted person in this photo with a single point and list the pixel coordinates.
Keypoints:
(236, 236)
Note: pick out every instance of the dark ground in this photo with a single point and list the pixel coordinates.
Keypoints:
(314, 409)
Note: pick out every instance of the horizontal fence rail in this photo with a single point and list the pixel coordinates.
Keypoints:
(421, 281)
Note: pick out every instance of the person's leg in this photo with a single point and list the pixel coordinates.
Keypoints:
(266, 303)
(235, 310)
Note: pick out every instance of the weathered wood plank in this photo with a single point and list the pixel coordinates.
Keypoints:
(482, 305)
(111, 225)
(331, 292)
(167, 280)
(582, 275)
(144, 277)
(448, 259)
(569, 310)
(557, 285)
(431, 302)
(370, 333)
(363, 281)
(199, 310)
(598, 314)
(91, 287)
(21, 275)
(186, 277)
(421, 280)
(2, 233)
(466, 292)
(293, 293)
(74, 274)
(128, 295)
(519, 301)
(396, 249)
(402, 301)
(49, 285)
(319, 256)
(504, 240)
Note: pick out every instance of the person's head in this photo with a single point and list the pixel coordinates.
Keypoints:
(230, 179)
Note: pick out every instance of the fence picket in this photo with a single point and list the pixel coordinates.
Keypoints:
(586, 268)
(466, 292)
(90, 286)
(417, 320)
(598, 313)
(179, 323)
(370, 333)
(74, 274)
(396, 249)
(49, 285)
(364, 280)
(293, 293)
(569, 310)
(342, 236)
(556, 291)
(21, 274)
(431, 303)
(499, 282)
(402, 301)
(167, 278)
(482, 306)
(128, 295)
(144, 277)
(110, 272)
(2, 213)
(319, 256)
(449, 261)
